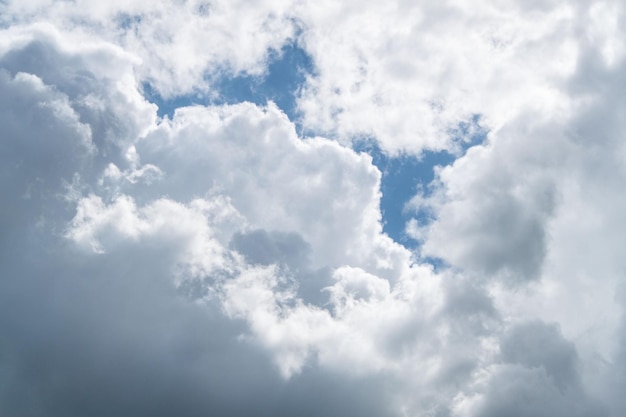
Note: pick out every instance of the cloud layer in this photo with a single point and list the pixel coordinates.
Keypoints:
(228, 260)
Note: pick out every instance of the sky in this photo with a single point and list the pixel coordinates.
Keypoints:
(312, 208)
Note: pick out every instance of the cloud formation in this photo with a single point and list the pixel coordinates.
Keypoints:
(228, 260)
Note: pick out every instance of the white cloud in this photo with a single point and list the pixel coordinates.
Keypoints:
(218, 254)
(115, 250)
(182, 45)
(407, 73)
(534, 211)
(118, 291)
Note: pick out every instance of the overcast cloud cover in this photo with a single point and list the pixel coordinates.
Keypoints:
(230, 259)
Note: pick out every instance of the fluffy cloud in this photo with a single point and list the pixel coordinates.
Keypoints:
(128, 284)
(118, 303)
(532, 213)
(180, 44)
(537, 376)
(216, 262)
(407, 73)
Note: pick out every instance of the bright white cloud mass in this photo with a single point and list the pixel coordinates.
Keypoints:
(174, 242)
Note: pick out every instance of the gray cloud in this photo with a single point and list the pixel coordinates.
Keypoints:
(265, 248)
(500, 205)
(537, 345)
(107, 334)
(538, 376)
(287, 250)
(218, 263)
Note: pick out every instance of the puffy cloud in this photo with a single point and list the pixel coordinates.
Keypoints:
(177, 265)
(404, 73)
(532, 214)
(537, 376)
(497, 199)
(179, 43)
(407, 73)
(128, 282)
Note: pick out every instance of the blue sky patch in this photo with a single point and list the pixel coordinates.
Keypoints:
(286, 73)
(402, 177)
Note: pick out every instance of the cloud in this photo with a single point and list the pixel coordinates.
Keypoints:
(409, 73)
(497, 206)
(221, 261)
(535, 207)
(537, 376)
(170, 37)
(408, 87)
(97, 317)
(93, 317)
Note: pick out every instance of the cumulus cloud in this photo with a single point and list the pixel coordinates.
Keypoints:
(97, 314)
(179, 44)
(537, 376)
(228, 260)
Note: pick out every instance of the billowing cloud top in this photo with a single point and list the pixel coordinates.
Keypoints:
(229, 257)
